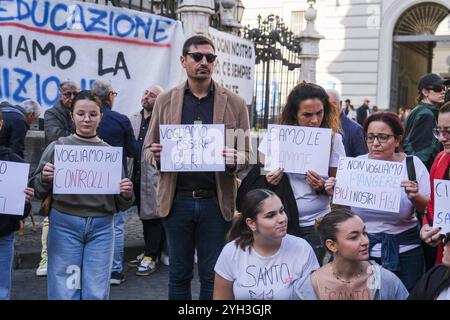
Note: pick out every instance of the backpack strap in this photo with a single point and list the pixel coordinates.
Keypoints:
(412, 177)
(410, 168)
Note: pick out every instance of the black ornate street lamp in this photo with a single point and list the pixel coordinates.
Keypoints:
(269, 38)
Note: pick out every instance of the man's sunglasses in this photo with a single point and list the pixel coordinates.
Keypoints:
(446, 238)
(197, 56)
(437, 88)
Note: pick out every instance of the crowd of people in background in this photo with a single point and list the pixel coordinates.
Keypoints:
(240, 229)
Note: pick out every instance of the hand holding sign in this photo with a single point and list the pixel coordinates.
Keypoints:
(126, 189)
(329, 185)
(156, 149)
(315, 181)
(230, 156)
(274, 177)
(29, 194)
(411, 189)
(47, 172)
(430, 235)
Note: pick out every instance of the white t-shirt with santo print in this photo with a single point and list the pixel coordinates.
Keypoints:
(256, 277)
(310, 204)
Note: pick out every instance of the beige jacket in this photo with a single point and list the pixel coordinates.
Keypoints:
(149, 178)
(230, 110)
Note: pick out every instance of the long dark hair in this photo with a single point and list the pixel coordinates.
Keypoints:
(250, 207)
(304, 91)
(328, 225)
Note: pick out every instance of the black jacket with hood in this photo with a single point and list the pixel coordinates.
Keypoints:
(436, 280)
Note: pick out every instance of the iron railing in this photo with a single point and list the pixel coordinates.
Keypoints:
(277, 67)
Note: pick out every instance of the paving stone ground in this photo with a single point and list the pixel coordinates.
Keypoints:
(26, 286)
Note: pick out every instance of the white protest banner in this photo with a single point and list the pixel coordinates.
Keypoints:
(298, 149)
(442, 205)
(370, 184)
(87, 170)
(43, 43)
(196, 147)
(235, 66)
(13, 181)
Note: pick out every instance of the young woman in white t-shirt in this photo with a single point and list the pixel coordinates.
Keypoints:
(394, 237)
(261, 262)
(308, 105)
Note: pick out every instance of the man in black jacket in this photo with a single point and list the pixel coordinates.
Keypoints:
(435, 284)
(8, 225)
(17, 122)
(363, 112)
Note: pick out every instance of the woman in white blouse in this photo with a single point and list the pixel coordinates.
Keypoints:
(308, 105)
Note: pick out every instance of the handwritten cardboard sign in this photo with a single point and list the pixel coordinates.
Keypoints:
(194, 147)
(13, 181)
(442, 205)
(87, 170)
(370, 184)
(298, 149)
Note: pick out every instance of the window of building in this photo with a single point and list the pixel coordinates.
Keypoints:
(297, 21)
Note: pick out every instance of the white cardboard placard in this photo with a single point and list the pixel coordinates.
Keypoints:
(87, 170)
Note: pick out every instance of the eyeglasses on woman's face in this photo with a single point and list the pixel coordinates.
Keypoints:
(382, 137)
(445, 132)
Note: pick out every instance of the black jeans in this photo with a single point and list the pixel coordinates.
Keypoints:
(153, 230)
(153, 237)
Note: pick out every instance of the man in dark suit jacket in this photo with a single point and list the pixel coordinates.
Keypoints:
(363, 112)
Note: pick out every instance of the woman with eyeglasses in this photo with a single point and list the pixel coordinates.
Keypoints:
(394, 237)
(435, 284)
(81, 226)
(439, 170)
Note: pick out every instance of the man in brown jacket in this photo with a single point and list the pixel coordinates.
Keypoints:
(198, 206)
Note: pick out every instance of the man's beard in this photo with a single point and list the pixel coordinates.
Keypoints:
(148, 108)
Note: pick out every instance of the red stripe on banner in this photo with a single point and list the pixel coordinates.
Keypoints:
(82, 36)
